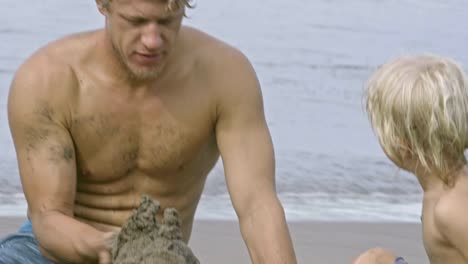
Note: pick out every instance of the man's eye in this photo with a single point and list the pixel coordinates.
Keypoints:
(136, 22)
(165, 21)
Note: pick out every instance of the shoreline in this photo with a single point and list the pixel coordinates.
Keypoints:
(220, 241)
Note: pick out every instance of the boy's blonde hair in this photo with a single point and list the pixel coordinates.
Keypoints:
(419, 105)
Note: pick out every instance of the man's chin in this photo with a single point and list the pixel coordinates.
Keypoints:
(145, 74)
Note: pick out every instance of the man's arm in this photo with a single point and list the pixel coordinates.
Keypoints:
(248, 157)
(38, 106)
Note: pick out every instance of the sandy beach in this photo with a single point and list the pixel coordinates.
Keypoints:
(315, 242)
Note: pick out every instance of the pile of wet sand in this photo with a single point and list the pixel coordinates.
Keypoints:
(143, 240)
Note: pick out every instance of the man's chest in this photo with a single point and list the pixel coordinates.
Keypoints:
(114, 138)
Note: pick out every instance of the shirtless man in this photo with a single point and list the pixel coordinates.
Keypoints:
(144, 106)
(418, 106)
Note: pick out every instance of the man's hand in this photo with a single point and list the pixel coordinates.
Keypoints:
(105, 248)
(375, 256)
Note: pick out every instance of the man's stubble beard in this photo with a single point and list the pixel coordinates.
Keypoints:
(134, 73)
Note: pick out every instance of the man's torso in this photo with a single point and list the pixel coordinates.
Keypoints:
(130, 142)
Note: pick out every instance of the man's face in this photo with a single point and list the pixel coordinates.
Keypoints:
(142, 33)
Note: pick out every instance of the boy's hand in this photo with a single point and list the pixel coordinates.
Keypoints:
(375, 256)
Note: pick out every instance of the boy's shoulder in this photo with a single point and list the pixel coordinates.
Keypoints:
(453, 201)
(451, 214)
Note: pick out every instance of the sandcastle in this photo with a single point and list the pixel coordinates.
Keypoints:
(143, 240)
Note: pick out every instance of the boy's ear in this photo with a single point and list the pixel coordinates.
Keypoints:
(404, 149)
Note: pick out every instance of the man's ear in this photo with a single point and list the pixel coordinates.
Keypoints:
(102, 6)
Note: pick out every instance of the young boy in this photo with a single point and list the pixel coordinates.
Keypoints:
(418, 107)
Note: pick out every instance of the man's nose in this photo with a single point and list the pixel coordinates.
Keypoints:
(151, 37)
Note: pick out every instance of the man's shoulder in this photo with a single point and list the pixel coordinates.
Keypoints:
(60, 53)
(213, 52)
(202, 41)
(50, 69)
(56, 60)
(231, 77)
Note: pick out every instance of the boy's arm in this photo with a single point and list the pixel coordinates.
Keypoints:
(378, 256)
(38, 117)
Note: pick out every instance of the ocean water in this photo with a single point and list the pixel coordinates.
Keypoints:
(312, 58)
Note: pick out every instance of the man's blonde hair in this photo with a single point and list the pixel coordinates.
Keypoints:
(419, 105)
(172, 5)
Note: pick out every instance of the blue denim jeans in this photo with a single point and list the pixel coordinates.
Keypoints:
(21, 248)
(400, 260)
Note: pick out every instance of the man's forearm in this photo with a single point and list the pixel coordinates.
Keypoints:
(66, 240)
(267, 236)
